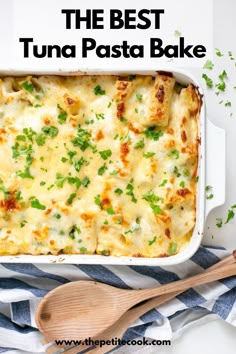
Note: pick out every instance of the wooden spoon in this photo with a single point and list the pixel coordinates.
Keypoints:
(83, 309)
(118, 329)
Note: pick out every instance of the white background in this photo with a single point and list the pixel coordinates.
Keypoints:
(216, 336)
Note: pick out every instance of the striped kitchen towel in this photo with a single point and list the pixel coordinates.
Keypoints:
(23, 285)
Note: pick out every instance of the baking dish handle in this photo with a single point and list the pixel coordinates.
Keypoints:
(215, 166)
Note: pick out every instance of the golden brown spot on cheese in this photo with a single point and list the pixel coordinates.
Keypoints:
(160, 95)
(47, 120)
(170, 131)
(120, 109)
(70, 100)
(124, 150)
(105, 202)
(99, 135)
(183, 192)
(52, 242)
(104, 228)
(183, 136)
(87, 216)
(9, 205)
(122, 85)
(170, 144)
(167, 233)
(48, 211)
(135, 130)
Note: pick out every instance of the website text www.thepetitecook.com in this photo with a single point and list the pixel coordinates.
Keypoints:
(114, 341)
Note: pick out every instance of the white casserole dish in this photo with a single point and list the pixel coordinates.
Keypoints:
(211, 171)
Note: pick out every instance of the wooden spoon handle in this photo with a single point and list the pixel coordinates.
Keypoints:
(225, 271)
(159, 300)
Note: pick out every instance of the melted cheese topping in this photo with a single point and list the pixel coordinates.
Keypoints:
(97, 164)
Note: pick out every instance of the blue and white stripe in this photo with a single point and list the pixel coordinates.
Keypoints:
(23, 285)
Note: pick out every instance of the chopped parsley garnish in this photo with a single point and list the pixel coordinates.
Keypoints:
(172, 248)
(207, 189)
(74, 180)
(51, 130)
(208, 80)
(114, 173)
(177, 33)
(105, 154)
(186, 172)
(98, 90)
(227, 104)
(123, 119)
(71, 198)
(223, 75)
(152, 199)
(218, 53)
(97, 200)
(74, 229)
(42, 183)
(118, 191)
(5, 192)
(35, 203)
(163, 183)
(139, 97)
(100, 116)
(102, 169)
(176, 171)
(130, 192)
(219, 222)
(28, 86)
(182, 184)
(174, 154)
(18, 195)
(40, 139)
(135, 228)
(221, 86)
(105, 222)
(57, 216)
(152, 241)
(85, 182)
(147, 155)
(83, 249)
(82, 140)
(208, 65)
(21, 138)
(139, 144)
(109, 104)
(23, 223)
(60, 179)
(62, 116)
(150, 133)
(110, 210)
(196, 179)
(78, 164)
(230, 216)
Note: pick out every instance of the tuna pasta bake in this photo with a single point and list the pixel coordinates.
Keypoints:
(97, 165)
